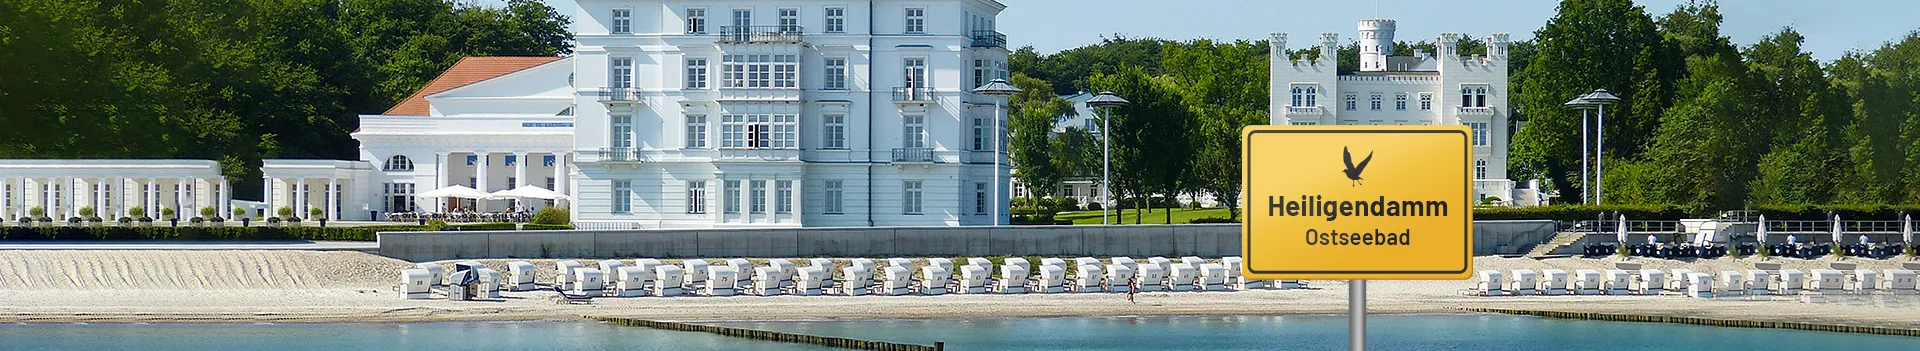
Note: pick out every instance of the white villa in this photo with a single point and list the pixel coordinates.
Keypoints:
(1441, 88)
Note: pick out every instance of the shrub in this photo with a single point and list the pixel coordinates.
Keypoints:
(73, 220)
(1061, 204)
(37, 212)
(95, 219)
(196, 220)
(316, 212)
(86, 211)
(26, 221)
(208, 212)
(285, 211)
(552, 216)
(369, 233)
(436, 224)
(125, 220)
(136, 211)
(46, 220)
(292, 219)
(1193, 205)
(1582, 212)
(273, 220)
(1094, 206)
(144, 219)
(239, 213)
(538, 226)
(216, 219)
(167, 212)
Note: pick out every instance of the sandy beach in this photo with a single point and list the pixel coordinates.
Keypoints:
(305, 286)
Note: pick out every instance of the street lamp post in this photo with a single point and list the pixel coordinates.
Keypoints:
(1105, 101)
(999, 89)
(1597, 100)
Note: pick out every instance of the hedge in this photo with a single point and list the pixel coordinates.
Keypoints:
(536, 226)
(193, 233)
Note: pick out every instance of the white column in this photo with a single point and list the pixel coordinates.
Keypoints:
(520, 175)
(121, 189)
(266, 195)
(480, 170)
(442, 168)
(180, 194)
(72, 187)
(333, 199)
(148, 191)
(798, 189)
(6, 196)
(559, 172)
(301, 198)
(226, 199)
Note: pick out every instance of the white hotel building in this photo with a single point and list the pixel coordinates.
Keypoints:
(695, 114)
(1443, 88)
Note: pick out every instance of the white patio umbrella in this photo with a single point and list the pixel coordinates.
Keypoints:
(1620, 230)
(1761, 235)
(1906, 229)
(526, 192)
(456, 191)
(1836, 230)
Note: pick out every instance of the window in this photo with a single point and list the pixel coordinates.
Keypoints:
(399, 163)
(696, 131)
(1426, 101)
(732, 193)
(1352, 102)
(836, 20)
(1306, 123)
(621, 73)
(513, 182)
(979, 134)
(1479, 133)
(910, 197)
(833, 132)
(914, 131)
(1304, 95)
(1400, 101)
(916, 72)
(783, 196)
(980, 198)
(759, 131)
(622, 196)
(399, 197)
(548, 161)
(836, 74)
(512, 160)
(697, 73)
(620, 135)
(759, 71)
(1473, 96)
(742, 18)
(550, 185)
(757, 196)
(789, 20)
(1373, 101)
(980, 72)
(916, 20)
(473, 182)
(836, 194)
(697, 197)
(696, 21)
(1480, 169)
(622, 21)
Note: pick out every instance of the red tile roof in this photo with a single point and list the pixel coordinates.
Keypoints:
(468, 71)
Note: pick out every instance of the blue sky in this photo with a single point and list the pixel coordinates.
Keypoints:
(1832, 27)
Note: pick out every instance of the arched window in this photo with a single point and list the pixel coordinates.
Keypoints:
(399, 163)
(1480, 169)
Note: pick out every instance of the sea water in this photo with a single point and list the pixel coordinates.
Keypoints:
(1211, 333)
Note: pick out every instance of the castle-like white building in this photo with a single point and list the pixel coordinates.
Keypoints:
(1443, 87)
(693, 113)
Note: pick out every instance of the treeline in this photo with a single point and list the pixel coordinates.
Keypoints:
(1703, 124)
(236, 81)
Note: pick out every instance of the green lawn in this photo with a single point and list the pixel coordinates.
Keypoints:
(1157, 216)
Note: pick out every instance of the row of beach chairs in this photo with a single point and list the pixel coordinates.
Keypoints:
(862, 276)
(1754, 282)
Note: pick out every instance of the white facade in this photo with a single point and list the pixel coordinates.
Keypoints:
(1444, 88)
(111, 187)
(693, 114)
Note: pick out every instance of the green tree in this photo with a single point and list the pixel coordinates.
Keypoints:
(1150, 142)
(1031, 115)
(1610, 44)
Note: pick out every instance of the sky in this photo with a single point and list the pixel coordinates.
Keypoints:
(1832, 27)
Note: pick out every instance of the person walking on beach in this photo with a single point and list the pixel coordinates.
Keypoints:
(1132, 286)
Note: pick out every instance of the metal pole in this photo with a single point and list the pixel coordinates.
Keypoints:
(1585, 189)
(1106, 167)
(997, 109)
(1357, 315)
(1600, 157)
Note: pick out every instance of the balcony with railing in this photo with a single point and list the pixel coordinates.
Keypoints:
(760, 34)
(1484, 111)
(619, 154)
(989, 39)
(611, 95)
(912, 94)
(1305, 111)
(912, 155)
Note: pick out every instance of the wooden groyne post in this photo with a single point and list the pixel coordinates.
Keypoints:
(767, 335)
(1735, 323)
